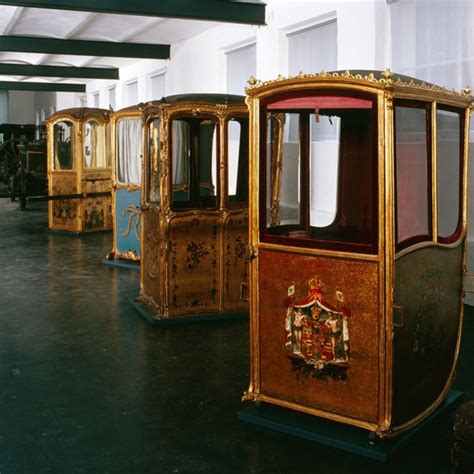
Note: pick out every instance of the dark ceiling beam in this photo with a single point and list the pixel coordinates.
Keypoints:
(248, 12)
(58, 71)
(34, 44)
(42, 86)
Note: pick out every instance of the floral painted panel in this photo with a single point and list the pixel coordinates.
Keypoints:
(236, 261)
(194, 264)
(97, 212)
(65, 212)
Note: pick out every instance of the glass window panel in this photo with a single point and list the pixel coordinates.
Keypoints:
(131, 90)
(94, 146)
(154, 157)
(324, 169)
(412, 174)
(321, 171)
(283, 158)
(241, 64)
(448, 147)
(129, 151)
(112, 97)
(194, 159)
(207, 158)
(64, 146)
(313, 49)
(157, 86)
(180, 159)
(237, 159)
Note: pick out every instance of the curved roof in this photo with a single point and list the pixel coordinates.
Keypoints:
(204, 98)
(378, 79)
(82, 113)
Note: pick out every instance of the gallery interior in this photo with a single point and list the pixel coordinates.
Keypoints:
(237, 236)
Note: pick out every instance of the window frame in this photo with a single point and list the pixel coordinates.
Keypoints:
(147, 160)
(426, 105)
(454, 237)
(74, 166)
(237, 204)
(367, 248)
(195, 197)
(116, 149)
(100, 125)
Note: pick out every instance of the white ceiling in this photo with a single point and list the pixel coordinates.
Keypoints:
(63, 24)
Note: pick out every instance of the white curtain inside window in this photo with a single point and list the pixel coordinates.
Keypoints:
(313, 49)
(181, 151)
(112, 97)
(241, 65)
(132, 93)
(434, 41)
(129, 150)
(94, 145)
(95, 100)
(157, 86)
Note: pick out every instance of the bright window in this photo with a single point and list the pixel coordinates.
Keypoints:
(320, 166)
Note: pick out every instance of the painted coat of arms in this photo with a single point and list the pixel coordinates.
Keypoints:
(317, 333)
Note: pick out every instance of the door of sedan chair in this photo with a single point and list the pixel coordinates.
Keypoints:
(195, 220)
(431, 137)
(63, 215)
(356, 280)
(79, 164)
(127, 183)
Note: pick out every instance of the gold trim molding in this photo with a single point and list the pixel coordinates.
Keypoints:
(383, 79)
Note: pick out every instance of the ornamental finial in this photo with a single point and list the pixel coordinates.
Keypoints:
(252, 81)
(467, 90)
(387, 74)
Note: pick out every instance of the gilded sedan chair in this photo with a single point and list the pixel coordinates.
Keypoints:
(79, 171)
(194, 216)
(358, 244)
(126, 140)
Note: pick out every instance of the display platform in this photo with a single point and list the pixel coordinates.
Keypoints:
(128, 264)
(148, 314)
(337, 435)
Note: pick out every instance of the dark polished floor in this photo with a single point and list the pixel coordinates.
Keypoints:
(87, 386)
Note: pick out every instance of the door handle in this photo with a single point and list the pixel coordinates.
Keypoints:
(252, 254)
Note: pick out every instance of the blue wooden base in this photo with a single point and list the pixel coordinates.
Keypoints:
(118, 263)
(76, 234)
(151, 317)
(336, 435)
